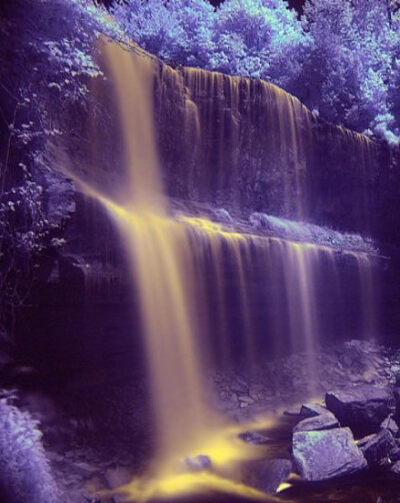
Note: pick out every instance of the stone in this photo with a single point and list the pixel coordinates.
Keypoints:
(312, 410)
(266, 474)
(394, 454)
(258, 392)
(292, 412)
(396, 468)
(362, 407)
(238, 385)
(377, 446)
(253, 437)
(396, 394)
(223, 216)
(327, 454)
(325, 421)
(246, 399)
(384, 463)
(81, 469)
(390, 424)
(234, 398)
(117, 477)
(198, 463)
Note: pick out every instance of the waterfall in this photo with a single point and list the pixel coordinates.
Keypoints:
(219, 112)
(368, 302)
(162, 255)
(300, 293)
(162, 268)
(246, 144)
(211, 295)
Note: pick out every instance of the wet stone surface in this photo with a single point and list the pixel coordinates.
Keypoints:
(111, 441)
(323, 455)
(325, 421)
(377, 446)
(362, 407)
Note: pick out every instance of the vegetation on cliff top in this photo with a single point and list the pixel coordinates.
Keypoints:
(342, 59)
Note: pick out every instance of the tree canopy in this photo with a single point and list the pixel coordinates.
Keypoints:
(342, 59)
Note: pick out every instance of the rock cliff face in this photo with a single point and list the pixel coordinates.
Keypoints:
(245, 145)
(223, 142)
(250, 146)
(241, 144)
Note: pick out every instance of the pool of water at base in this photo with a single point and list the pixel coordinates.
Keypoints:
(367, 487)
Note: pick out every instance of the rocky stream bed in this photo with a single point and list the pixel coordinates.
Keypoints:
(343, 444)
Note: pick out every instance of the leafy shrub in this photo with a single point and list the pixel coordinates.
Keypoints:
(25, 475)
(258, 38)
(49, 57)
(349, 70)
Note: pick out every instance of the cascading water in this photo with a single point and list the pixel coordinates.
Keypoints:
(163, 269)
(303, 277)
(220, 111)
(368, 303)
(195, 278)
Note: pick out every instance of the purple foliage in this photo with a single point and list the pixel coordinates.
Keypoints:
(25, 475)
(342, 58)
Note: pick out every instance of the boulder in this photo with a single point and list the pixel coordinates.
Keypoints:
(198, 463)
(361, 407)
(292, 412)
(253, 437)
(327, 454)
(377, 446)
(266, 474)
(390, 424)
(397, 402)
(312, 410)
(239, 385)
(223, 216)
(117, 477)
(394, 454)
(396, 468)
(325, 421)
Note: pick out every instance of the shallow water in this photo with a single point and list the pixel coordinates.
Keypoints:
(368, 487)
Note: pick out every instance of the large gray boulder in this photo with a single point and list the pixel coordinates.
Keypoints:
(377, 446)
(361, 407)
(328, 454)
(390, 424)
(312, 410)
(326, 421)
